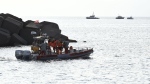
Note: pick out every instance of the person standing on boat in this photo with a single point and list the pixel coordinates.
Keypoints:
(55, 46)
(52, 44)
(66, 46)
(59, 46)
(43, 47)
(48, 49)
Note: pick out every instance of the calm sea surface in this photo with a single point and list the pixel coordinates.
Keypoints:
(121, 54)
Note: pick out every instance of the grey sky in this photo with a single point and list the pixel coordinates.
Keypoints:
(76, 7)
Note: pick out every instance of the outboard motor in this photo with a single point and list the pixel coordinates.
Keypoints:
(26, 55)
(18, 54)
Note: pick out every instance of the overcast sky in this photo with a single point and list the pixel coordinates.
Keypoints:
(76, 7)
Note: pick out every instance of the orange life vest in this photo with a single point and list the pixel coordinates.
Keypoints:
(59, 44)
(55, 43)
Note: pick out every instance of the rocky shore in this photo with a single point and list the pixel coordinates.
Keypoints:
(14, 31)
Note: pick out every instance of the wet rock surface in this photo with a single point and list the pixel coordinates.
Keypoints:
(13, 30)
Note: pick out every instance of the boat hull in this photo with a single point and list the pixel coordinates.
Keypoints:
(92, 18)
(36, 57)
(120, 18)
(76, 55)
(129, 18)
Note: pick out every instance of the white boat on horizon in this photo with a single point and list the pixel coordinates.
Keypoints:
(92, 17)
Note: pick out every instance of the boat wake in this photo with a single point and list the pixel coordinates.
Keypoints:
(6, 59)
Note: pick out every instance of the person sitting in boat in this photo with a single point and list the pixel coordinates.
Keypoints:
(66, 46)
(35, 47)
(71, 49)
(59, 46)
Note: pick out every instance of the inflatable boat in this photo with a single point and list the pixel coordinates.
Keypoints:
(49, 54)
(27, 55)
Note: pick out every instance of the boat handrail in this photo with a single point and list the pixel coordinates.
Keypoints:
(83, 48)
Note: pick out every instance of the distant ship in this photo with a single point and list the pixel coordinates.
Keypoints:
(130, 17)
(119, 17)
(92, 17)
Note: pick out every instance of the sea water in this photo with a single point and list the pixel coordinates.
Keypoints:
(121, 54)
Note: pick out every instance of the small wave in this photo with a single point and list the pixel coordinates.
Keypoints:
(6, 59)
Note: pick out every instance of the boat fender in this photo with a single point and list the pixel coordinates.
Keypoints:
(18, 54)
(26, 55)
(34, 56)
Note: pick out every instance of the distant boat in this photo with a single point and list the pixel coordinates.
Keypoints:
(92, 17)
(119, 17)
(130, 17)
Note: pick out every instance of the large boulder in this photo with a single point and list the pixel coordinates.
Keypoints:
(1, 20)
(58, 36)
(26, 23)
(29, 27)
(4, 37)
(12, 25)
(16, 39)
(14, 30)
(63, 37)
(26, 34)
(12, 16)
(4, 30)
(50, 25)
(51, 33)
(51, 29)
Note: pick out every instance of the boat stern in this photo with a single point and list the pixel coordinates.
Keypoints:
(23, 55)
